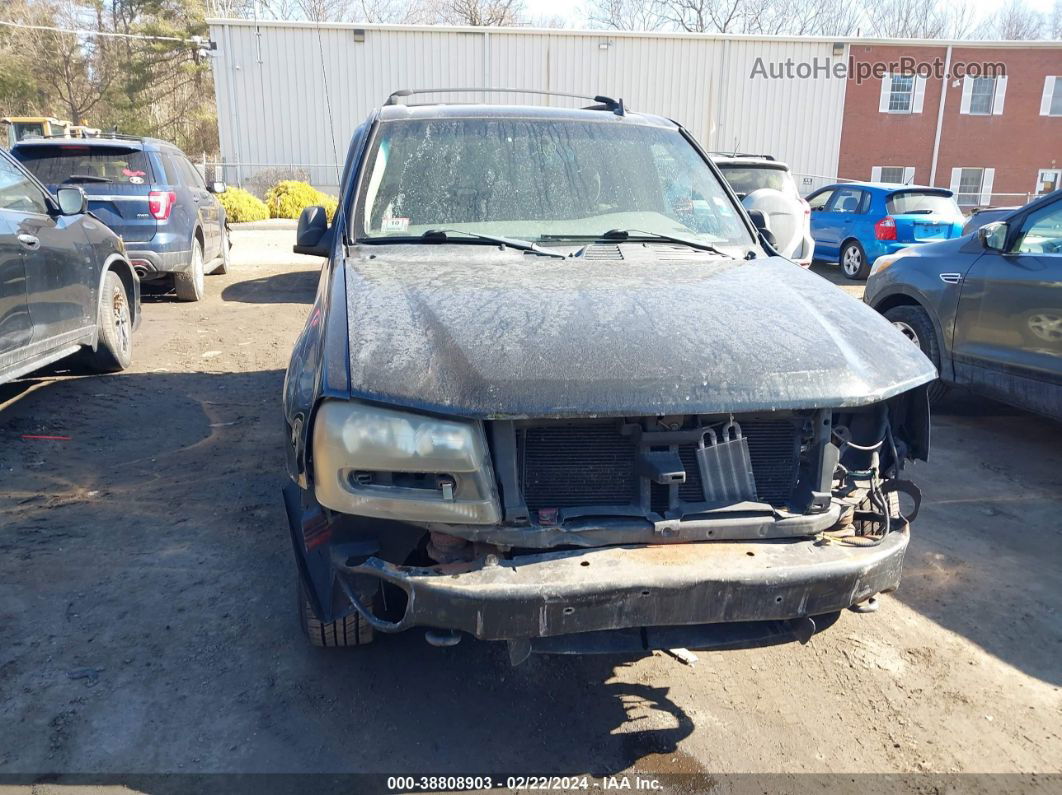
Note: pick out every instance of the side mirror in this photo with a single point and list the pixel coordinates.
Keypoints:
(993, 236)
(313, 235)
(71, 200)
(759, 220)
(216, 187)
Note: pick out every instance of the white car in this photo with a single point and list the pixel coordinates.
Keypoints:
(765, 184)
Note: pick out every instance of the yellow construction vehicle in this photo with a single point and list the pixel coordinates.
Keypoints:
(81, 131)
(19, 127)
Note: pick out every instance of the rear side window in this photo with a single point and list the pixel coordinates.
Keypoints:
(849, 200)
(71, 164)
(186, 173)
(911, 202)
(744, 179)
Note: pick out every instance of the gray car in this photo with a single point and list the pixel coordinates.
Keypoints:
(986, 308)
(66, 284)
(148, 192)
(554, 390)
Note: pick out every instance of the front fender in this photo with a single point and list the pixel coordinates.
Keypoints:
(319, 366)
(922, 286)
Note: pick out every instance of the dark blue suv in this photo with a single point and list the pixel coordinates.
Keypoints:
(148, 192)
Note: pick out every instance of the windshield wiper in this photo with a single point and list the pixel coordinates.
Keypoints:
(85, 178)
(443, 235)
(640, 235)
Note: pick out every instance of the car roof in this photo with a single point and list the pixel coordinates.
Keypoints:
(538, 112)
(884, 187)
(764, 161)
(127, 141)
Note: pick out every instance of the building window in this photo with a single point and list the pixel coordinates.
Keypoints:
(983, 96)
(1048, 180)
(898, 175)
(1051, 101)
(901, 93)
(970, 183)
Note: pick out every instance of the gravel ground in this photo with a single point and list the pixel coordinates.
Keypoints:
(147, 609)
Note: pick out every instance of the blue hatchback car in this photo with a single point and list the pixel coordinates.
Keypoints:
(854, 223)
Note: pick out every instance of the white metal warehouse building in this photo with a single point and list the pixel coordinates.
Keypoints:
(274, 110)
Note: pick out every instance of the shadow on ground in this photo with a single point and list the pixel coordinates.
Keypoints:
(289, 287)
(985, 559)
(147, 603)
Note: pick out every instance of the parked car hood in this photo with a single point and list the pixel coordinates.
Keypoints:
(483, 332)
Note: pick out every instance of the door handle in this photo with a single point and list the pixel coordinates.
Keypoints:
(29, 241)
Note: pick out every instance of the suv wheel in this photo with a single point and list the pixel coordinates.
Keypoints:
(915, 324)
(114, 346)
(223, 261)
(191, 283)
(352, 630)
(854, 261)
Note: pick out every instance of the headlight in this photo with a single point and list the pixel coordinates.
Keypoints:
(374, 461)
(881, 263)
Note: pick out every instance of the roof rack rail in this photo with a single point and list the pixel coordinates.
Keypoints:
(742, 154)
(120, 136)
(606, 103)
(103, 136)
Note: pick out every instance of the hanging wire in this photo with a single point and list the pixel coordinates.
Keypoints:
(73, 31)
(328, 101)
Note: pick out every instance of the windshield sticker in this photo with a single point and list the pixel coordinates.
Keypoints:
(395, 224)
(131, 173)
(136, 180)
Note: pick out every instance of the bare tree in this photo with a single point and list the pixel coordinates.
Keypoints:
(473, 12)
(706, 16)
(919, 19)
(385, 11)
(627, 14)
(325, 10)
(1013, 22)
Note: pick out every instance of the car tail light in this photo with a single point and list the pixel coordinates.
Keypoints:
(160, 202)
(885, 229)
(807, 207)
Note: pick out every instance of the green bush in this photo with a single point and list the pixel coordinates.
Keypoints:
(242, 206)
(288, 198)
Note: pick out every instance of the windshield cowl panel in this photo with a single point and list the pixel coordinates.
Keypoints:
(541, 179)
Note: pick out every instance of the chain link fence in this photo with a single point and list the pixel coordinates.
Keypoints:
(260, 177)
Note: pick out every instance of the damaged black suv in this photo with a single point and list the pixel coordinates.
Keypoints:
(557, 389)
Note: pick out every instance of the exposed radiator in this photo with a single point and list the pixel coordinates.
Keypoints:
(563, 466)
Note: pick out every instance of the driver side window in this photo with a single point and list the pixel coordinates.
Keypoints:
(819, 200)
(17, 191)
(1042, 232)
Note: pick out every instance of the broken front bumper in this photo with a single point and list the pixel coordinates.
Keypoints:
(560, 593)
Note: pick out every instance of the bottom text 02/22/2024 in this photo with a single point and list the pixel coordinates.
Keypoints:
(523, 783)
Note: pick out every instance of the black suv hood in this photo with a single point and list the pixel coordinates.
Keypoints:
(479, 332)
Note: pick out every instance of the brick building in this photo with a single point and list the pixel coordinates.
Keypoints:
(982, 119)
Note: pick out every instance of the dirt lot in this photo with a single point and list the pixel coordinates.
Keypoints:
(147, 619)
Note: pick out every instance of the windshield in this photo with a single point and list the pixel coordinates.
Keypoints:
(923, 203)
(542, 179)
(55, 164)
(744, 180)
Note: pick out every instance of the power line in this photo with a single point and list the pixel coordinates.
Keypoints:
(195, 40)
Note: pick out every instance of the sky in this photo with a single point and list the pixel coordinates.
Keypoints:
(575, 12)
